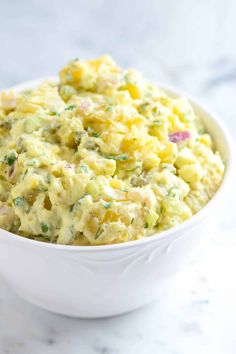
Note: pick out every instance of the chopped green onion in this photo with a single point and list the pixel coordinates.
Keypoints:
(93, 133)
(156, 111)
(54, 113)
(98, 233)
(66, 92)
(109, 109)
(70, 108)
(91, 145)
(72, 229)
(10, 159)
(151, 219)
(201, 131)
(71, 207)
(107, 205)
(84, 169)
(19, 201)
(171, 193)
(129, 79)
(122, 157)
(48, 179)
(144, 106)
(44, 227)
(157, 122)
(25, 173)
(72, 60)
(69, 77)
(74, 206)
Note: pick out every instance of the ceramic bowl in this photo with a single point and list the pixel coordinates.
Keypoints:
(100, 281)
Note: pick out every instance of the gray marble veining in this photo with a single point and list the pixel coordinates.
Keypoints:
(190, 44)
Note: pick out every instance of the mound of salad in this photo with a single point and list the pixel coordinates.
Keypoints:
(101, 157)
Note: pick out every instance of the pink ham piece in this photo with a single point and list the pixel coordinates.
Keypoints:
(179, 136)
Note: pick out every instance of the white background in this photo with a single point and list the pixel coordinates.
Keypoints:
(190, 44)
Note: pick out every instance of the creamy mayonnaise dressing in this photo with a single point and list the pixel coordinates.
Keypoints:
(101, 157)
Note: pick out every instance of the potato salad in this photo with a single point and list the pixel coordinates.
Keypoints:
(102, 156)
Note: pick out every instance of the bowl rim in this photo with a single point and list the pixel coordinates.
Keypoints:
(156, 237)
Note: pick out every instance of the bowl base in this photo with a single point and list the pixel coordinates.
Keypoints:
(78, 314)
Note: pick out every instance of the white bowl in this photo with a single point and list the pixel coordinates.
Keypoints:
(99, 281)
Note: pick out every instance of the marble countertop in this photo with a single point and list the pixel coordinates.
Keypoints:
(188, 44)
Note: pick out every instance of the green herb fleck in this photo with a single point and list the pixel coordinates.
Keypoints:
(79, 136)
(109, 109)
(98, 233)
(72, 229)
(71, 207)
(145, 225)
(48, 179)
(10, 159)
(66, 92)
(157, 122)
(93, 133)
(129, 79)
(32, 162)
(144, 106)
(107, 205)
(84, 169)
(156, 111)
(54, 113)
(5, 124)
(171, 193)
(69, 77)
(91, 145)
(70, 108)
(122, 157)
(44, 228)
(19, 201)
(201, 131)
(25, 173)
(74, 206)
